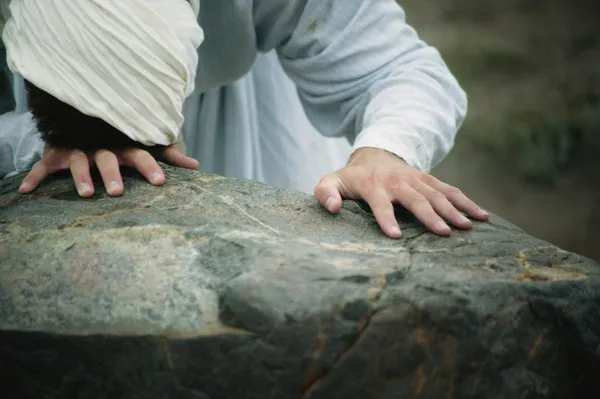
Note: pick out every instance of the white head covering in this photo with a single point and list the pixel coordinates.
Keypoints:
(130, 63)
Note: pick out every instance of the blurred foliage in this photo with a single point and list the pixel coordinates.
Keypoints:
(532, 73)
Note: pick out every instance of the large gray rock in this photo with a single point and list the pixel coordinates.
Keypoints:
(211, 288)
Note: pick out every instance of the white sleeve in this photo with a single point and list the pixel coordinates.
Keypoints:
(20, 144)
(363, 72)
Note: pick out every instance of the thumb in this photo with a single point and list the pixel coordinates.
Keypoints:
(328, 193)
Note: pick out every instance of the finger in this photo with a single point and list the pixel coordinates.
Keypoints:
(80, 170)
(108, 166)
(52, 161)
(327, 192)
(144, 163)
(383, 210)
(39, 171)
(175, 157)
(442, 205)
(460, 200)
(419, 206)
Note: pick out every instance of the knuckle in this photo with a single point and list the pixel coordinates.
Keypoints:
(131, 151)
(125, 152)
(325, 179)
(321, 188)
(102, 153)
(428, 179)
(44, 160)
(145, 155)
(79, 177)
(136, 155)
(109, 158)
(108, 168)
(438, 197)
(43, 164)
(99, 156)
(418, 201)
(50, 151)
(75, 155)
(394, 180)
(454, 191)
(173, 149)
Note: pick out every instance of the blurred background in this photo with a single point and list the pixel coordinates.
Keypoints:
(529, 150)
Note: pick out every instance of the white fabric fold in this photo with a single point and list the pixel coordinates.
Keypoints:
(130, 63)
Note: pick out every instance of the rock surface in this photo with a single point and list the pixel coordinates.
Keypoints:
(211, 288)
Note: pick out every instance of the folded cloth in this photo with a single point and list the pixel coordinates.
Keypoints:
(130, 63)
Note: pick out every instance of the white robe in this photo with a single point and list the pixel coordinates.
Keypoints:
(256, 128)
(284, 86)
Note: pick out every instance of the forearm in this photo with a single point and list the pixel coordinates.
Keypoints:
(414, 112)
(363, 72)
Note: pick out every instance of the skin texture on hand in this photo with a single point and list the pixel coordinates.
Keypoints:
(382, 179)
(108, 164)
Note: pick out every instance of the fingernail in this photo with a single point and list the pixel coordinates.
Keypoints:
(84, 188)
(24, 185)
(464, 219)
(484, 213)
(442, 226)
(156, 177)
(395, 230)
(329, 203)
(113, 186)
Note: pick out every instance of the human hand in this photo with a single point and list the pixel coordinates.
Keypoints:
(108, 164)
(382, 179)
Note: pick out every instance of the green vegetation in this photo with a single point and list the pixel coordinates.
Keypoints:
(532, 76)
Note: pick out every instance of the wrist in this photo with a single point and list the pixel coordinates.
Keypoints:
(371, 153)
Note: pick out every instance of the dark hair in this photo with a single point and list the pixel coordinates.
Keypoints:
(63, 126)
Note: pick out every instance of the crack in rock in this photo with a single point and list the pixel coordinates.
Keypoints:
(317, 380)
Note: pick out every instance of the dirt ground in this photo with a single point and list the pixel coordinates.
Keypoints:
(565, 214)
(529, 150)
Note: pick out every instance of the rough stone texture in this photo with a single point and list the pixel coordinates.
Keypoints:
(211, 288)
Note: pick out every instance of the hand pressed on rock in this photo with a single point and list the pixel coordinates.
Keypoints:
(382, 179)
(108, 164)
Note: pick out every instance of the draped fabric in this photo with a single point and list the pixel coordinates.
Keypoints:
(130, 63)
(286, 89)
